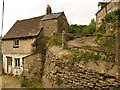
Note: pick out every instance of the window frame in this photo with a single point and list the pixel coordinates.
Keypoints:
(16, 43)
(17, 62)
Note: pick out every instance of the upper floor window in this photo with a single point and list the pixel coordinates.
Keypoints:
(16, 43)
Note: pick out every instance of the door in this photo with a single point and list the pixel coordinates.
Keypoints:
(9, 65)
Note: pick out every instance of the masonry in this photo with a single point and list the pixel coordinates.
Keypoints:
(118, 52)
(60, 72)
(33, 66)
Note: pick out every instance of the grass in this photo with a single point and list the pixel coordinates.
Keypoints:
(31, 83)
(10, 82)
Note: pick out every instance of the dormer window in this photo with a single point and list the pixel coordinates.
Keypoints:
(16, 43)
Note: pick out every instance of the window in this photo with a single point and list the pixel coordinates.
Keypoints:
(17, 62)
(16, 43)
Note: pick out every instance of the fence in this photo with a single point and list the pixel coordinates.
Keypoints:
(117, 39)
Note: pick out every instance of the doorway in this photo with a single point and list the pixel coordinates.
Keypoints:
(9, 65)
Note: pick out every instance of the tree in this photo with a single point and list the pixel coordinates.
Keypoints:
(91, 28)
(74, 28)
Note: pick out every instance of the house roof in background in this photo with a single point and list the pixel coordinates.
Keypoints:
(52, 16)
(28, 27)
(24, 28)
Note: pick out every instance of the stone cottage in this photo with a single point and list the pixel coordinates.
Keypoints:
(19, 40)
(105, 8)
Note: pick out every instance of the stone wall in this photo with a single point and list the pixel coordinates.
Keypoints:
(33, 66)
(60, 72)
(50, 26)
(118, 51)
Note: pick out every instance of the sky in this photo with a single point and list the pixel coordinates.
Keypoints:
(77, 11)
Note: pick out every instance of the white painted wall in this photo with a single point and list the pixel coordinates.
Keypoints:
(20, 70)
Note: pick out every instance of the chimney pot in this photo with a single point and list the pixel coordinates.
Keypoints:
(48, 10)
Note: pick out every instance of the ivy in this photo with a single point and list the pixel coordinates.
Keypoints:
(113, 17)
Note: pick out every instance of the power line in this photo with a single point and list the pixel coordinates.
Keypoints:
(36, 8)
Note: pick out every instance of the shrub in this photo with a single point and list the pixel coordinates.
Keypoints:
(23, 81)
(85, 56)
(31, 83)
(54, 40)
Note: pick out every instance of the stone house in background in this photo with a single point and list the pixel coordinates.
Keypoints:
(19, 40)
(105, 8)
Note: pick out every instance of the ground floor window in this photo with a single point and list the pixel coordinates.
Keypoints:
(17, 62)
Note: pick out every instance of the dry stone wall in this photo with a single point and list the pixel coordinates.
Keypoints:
(60, 72)
(33, 66)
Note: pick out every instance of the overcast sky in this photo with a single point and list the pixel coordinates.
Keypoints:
(76, 11)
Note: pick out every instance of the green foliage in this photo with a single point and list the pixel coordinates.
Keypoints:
(35, 84)
(76, 28)
(85, 56)
(83, 29)
(23, 81)
(31, 83)
(108, 44)
(91, 28)
(54, 40)
(101, 29)
(113, 18)
(58, 80)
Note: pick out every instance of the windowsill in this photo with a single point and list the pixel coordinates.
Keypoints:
(17, 67)
(15, 46)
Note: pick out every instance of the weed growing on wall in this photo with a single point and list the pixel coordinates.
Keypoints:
(109, 27)
(54, 40)
(85, 56)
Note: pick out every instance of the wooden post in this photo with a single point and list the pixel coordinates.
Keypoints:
(63, 39)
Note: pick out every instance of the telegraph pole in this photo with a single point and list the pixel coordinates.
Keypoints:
(1, 59)
(2, 18)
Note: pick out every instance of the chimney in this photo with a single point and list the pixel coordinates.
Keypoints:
(101, 5)
(48, 10)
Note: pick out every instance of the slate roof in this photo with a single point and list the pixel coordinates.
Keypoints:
(28, 27)
(52, 16)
